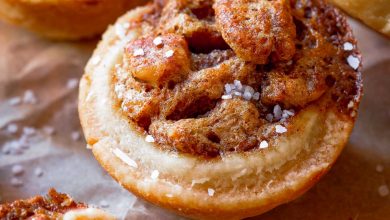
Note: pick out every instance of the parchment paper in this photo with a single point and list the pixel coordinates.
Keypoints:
(51, 69)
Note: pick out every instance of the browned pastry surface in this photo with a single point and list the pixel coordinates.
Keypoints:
(53, 206)
(293, 56)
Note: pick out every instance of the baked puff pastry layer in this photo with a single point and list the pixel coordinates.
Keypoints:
(221, 109)
(65, 19)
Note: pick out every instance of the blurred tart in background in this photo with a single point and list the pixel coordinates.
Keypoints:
(54, 206)
(374, 13)
(65, 19)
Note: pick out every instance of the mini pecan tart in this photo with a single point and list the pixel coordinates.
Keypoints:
(222, 108)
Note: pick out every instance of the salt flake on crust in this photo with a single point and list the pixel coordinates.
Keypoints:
(126, 159)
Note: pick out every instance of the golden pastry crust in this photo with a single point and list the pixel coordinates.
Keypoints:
(65, 19)
(206, 161)
(375, 13)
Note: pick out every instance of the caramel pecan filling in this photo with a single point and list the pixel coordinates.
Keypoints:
(211, 77)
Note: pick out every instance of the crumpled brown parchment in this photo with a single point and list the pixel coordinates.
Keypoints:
(54, 155)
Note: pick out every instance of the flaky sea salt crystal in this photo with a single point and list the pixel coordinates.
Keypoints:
(124, 157)
(238, 85)
(29, 97)
(269, 117)
(17, 170)
(75, 135)
(38, 172)
(104, 204)
(168, 54)
(286, 114)
(157, 41)
(225, 97)
(351, 104)
(228, 88)
(12, 128)
(96, 60)
(353, 61)
(247, 95)
(16, 182)
(14, 101)
(138, 52)
(290, 112)
(72, 83)
(149, 138)
(263, 145)
(249, 89)
(12, 147)
(280, 129)
(347, 46)
(24, 141)
(240, 90)
(277, 112)
(210, 191)
(154, 174)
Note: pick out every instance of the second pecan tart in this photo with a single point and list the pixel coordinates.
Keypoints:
(54, 206)
(222, 108)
